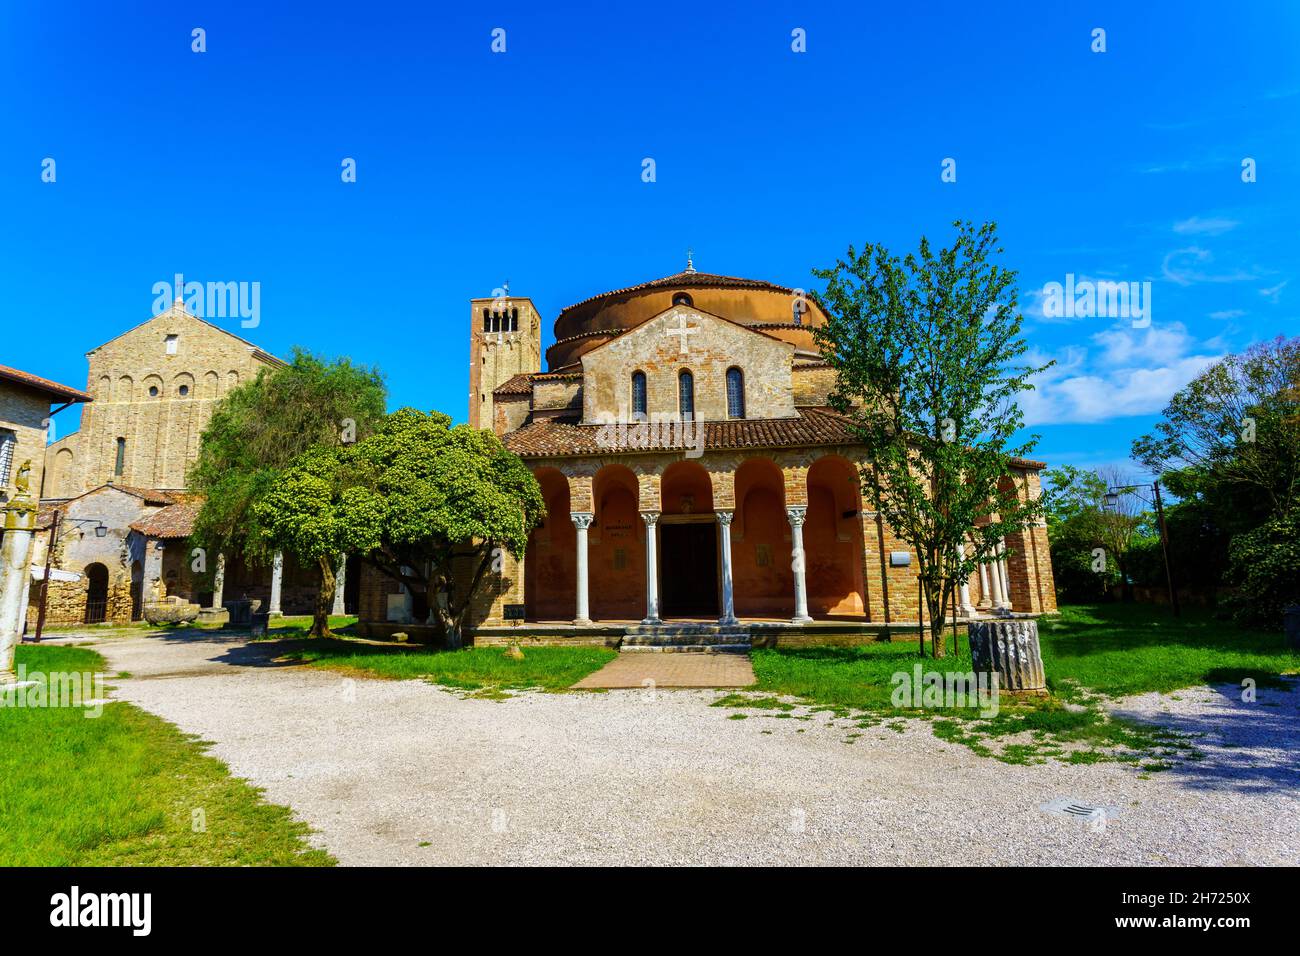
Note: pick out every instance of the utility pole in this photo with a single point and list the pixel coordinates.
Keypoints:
(1164, 546)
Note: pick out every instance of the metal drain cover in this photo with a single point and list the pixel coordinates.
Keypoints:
(1078, 809)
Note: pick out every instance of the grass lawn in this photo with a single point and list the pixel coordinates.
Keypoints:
(1088, 652)
(121, 789)
(486, 670)
(1121, 649)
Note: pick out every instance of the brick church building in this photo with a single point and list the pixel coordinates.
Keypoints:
(683, 442)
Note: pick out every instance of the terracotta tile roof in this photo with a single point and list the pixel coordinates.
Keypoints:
(174, 521)
(559, 437)
(63, 392)
(516, 385)
(685, 279)
(150, 496)
(564, 437)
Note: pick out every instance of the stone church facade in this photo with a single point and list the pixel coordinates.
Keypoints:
(683, 441)
(118, 484)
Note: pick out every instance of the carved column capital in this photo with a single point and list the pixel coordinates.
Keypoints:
(650, 518)
(796, 514)
(582, 519)
(724, 517)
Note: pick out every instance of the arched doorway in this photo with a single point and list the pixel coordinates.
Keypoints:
(96, 593)
(832, 540)
(760, 543)
(551, 561)
(688, 542)
(616, 548)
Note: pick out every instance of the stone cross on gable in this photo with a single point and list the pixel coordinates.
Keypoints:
(681, 332)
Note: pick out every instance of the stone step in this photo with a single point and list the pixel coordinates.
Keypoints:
(685, 639)
(685, 648)
(701, 629)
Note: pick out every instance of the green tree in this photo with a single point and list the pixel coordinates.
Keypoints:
(312, 510)
(1079, 523)
(1234, 430)
(451, 501)
(1228, 445)
(926, 352)
(260, 427)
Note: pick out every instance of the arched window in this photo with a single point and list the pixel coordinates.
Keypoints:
(735, 393)
(487, 320)
(686, 394)
(119, 465)
(682, 298)
(638, 394)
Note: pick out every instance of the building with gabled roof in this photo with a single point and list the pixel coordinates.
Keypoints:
(696, 479)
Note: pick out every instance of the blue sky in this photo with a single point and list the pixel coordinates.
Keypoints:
(475, 167)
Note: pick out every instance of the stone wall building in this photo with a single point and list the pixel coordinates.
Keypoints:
(684, 445)
(154, 389)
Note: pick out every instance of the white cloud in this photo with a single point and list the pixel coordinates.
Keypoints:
(1135, 372)
(1186, 267)
(1274, 293)
(1228, 314)
(1213, 226)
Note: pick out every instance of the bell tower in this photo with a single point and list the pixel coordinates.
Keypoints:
(505, 340)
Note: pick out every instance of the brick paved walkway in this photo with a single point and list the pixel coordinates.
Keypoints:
(635, 669)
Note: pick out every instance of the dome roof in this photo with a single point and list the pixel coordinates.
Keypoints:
(754, 302)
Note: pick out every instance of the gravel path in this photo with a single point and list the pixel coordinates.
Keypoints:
(406, 773)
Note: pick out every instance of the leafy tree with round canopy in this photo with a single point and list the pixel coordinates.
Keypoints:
(261, 426)
(451, 501)
(311, 510)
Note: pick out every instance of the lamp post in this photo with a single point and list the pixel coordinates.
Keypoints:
(1111, 503)
(100, 531)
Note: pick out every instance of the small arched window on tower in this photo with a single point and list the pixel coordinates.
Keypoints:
(638, 395)
(686, 394)
(682, 298)
(119, 466)
(487, 320)
(735, 393)
(514, 320)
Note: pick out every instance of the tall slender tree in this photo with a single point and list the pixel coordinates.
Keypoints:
(928, 355)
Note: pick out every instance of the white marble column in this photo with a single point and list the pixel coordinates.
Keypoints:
(651, 519)
(219, 583)
(277, 574)
(1004, 573)
(15, 577)
(582, 521)
(339, 579)
(964, 607)
(986, 592)
(796, 515)
(728, 586)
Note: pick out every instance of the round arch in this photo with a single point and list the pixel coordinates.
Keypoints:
(760, 542)
(832, 537)
(551, 569)
(616, 547)
(96, 593)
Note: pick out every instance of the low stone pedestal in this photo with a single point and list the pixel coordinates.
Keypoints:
(1009, 646)
(258, 624)
(170, 611)
(214, 615)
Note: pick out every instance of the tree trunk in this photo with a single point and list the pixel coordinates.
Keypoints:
(320, 620)
(934, 608)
